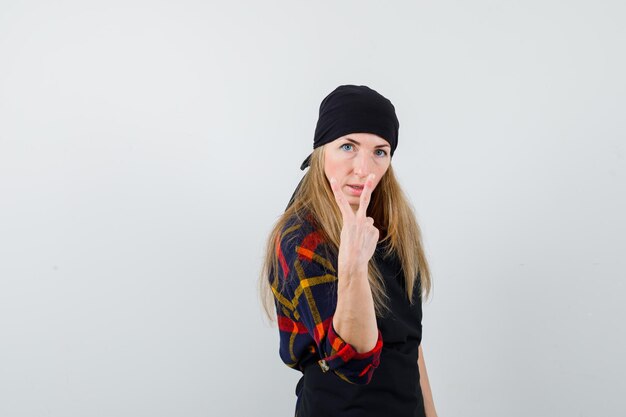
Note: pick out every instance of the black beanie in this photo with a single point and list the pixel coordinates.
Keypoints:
(353, 109)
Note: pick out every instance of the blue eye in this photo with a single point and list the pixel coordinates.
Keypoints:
(345, 144)
(384, 152)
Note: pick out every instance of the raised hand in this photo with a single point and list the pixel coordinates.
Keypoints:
(358, 234)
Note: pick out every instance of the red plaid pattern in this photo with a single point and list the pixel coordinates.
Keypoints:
(306, 298)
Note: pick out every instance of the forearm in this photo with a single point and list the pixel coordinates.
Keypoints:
(355, 317)
(429, 404)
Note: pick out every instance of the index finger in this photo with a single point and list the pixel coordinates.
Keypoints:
(365, 196)
(345, 208)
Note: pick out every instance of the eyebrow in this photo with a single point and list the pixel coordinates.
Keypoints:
(375, 147)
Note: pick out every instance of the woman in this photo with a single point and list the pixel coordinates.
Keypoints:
(345, 270)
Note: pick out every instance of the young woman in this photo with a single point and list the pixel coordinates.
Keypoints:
(345, 270)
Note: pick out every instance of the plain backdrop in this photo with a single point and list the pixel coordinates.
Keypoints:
(148, 147)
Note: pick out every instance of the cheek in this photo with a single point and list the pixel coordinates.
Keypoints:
(328, 167)
(331, 172)
(333, 168)
(380, 170)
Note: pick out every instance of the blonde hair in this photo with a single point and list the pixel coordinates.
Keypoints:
(392, 213)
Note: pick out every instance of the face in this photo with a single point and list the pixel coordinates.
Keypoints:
(351, 158)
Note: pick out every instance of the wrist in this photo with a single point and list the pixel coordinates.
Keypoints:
(353, 272)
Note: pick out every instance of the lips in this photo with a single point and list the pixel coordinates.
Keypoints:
(355, 190)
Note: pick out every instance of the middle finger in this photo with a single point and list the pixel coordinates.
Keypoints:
(365, 196)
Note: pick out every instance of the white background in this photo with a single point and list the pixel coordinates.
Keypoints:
(147, 147)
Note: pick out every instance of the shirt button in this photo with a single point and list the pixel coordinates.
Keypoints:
(323, 365)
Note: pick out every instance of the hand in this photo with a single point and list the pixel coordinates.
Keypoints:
(359, 237)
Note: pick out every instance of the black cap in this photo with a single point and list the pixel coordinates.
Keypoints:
(355, 109)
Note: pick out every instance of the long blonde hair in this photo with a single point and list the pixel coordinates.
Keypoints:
(392, 213)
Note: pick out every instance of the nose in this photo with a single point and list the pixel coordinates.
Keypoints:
(362, 165)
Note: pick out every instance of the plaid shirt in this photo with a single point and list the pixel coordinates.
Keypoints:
(305, 295)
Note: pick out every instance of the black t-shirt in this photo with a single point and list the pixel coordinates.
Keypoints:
(394, 390)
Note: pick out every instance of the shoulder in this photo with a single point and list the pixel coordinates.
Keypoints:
(301, 244)
(299, 231)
